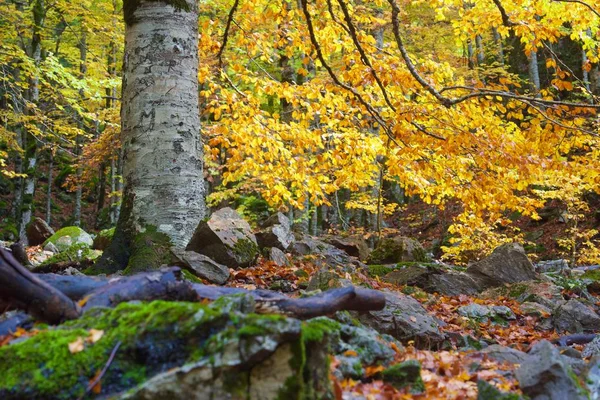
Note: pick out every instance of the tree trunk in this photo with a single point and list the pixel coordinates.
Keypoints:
(534, 72)
(162, 151)
(499, 46)
(49, 189)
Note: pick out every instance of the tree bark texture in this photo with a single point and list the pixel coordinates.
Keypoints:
(160, 118)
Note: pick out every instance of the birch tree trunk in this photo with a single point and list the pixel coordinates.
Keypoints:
(160, 125)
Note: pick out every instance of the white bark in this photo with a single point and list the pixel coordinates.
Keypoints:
(160, 121)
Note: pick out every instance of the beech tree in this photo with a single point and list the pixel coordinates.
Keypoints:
(162, 171)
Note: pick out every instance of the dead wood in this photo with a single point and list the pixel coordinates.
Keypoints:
(27, 292)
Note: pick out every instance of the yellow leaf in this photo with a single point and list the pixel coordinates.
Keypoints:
(95, 335)
(76, 346)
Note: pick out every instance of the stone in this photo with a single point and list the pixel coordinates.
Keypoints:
(276, 232)
(576, 317)
(404, 318)
(535, 309)
(546, 375)
(475, 311)
(552, 266)
(38, 231)
(226, 238)
(355, 246)
(325, 279)
(406, 373)
(51, 248)
(325, 255)
(451, 283)
(397, 249)
(501, 353)
(278, 257)
(69, 236)
(202, 266)
(592, 348)
(508, 263)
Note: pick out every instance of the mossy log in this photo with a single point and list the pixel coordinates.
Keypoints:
(49, 297)
(27, 292)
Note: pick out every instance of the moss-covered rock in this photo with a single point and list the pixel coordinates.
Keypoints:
(397, 249)
(79, 252)
(407, 373)
(150, 250)
(69, 236)
(154, 340)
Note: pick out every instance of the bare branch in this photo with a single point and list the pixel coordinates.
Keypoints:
(363, 55)
(226, 33)
(505, 18)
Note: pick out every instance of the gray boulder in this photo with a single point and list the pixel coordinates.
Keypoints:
(38, 231)
(404, 318)
(575, 316)
(202, 266)
(507, 264)
(546, 375)
(69, 236)
(397, 249)
(276, 232)
(278, 257)
(505, 354)
(226, 238)
(356, 246)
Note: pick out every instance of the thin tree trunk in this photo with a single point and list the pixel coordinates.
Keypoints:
(534, 72)
(480, 51)
(49, 188)
(499, 46)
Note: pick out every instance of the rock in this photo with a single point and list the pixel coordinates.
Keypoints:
(575, 317)
(70, 271)
(544, 293)
(103, 239)
(174, 350)
(487, 391)
(432, 278)
(451, 283)
(552, 266)
(38, 231)
(325, 255)
(356, 246)
(507, 264)
(202, 266)
(500, 353)
(69, 236)
(18, 251)
(276, 232)
(504, 312)
(476, 311)
(592, 348)
(226, 238)
(51, 248)
(78, 253)
(278, 257)
(397, 249)
(404, 318)
(407, 373)
(546, 375)
(535, 309)
(325, 279)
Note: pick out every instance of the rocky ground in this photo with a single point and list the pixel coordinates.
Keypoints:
(502, 328)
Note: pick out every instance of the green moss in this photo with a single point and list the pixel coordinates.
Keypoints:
(420, 255)
(593, 275)
(73, 231)
(517, 290)
(245, 250)
(386, 250)
(44, 365)
(77, 252)
(379, 270)
(315, 329)
(130, 6)
(486, 391)
(257, 325)
(149, 251)
(187, 275)
(407, 373)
